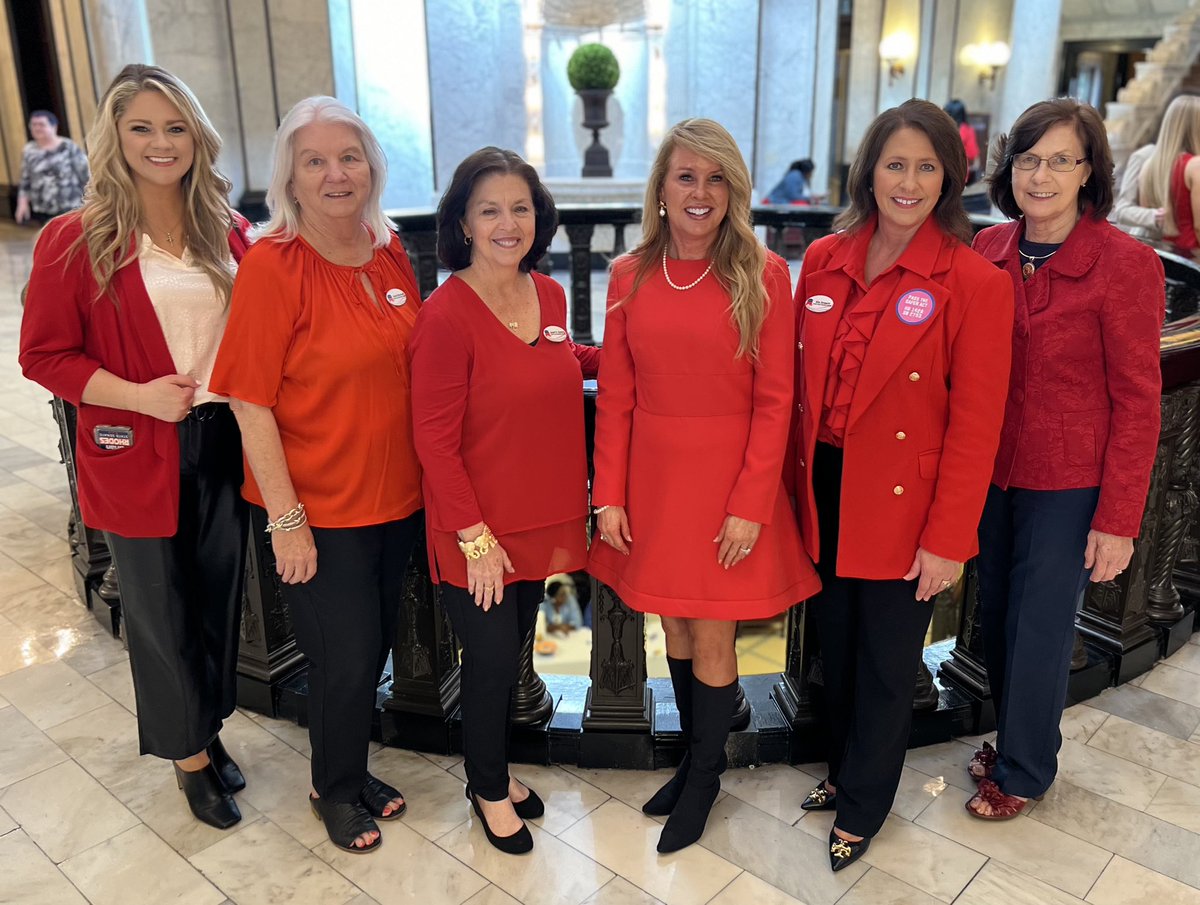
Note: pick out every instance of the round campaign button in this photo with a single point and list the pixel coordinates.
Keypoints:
(914, 307)
(396, 297)
(555, 334)
(818, 303)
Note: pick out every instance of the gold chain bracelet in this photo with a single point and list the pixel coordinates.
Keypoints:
(474, 549)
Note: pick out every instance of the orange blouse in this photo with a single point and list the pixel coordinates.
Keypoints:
(306, 340)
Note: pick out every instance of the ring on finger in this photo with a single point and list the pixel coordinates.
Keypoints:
(746, 551)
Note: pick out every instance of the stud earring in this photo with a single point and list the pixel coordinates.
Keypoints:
(662, 210)
(467, 239)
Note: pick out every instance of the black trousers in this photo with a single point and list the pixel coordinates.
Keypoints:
(345, 619)
(181, 596)
(491, 647)
(871, 635)
(1031, 547)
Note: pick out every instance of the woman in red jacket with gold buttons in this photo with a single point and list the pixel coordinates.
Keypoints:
(1080, 429)
(900, 394)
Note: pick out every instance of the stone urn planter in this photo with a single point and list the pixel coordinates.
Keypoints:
(593, 72)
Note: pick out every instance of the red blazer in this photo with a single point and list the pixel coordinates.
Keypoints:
(67, 334)
(1083, 404)
(926, 413)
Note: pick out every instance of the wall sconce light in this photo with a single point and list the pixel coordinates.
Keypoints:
(988, 58)
(894, 50)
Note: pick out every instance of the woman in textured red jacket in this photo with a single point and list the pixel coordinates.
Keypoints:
(691, 428)
(900, 393)
(491, 367)
(126, 307)
(1080, 429)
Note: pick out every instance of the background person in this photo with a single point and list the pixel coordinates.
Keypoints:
(125, 309)
(900, 394)
(794, 187)
(560, 608)
(1080, 430)
(1169, 182)
(492, 365)
(54, 171)
(691, 426)
(315, 360)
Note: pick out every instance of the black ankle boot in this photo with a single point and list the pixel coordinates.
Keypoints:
(710, 730)
(207, 798)
(226, 766)
(663, 801)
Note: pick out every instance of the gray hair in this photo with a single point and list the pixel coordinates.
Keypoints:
(284, 222)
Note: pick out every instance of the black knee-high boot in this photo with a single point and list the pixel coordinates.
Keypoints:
(711, 708)
(662, 802)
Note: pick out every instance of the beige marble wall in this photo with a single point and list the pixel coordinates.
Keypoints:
(12, 117)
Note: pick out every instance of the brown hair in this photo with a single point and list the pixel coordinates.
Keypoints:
(942, 133)
(1028, 130)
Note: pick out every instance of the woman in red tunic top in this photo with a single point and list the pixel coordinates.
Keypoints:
(691, 426)
(492, 365)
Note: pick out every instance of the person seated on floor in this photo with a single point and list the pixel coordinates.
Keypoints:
(560, 608)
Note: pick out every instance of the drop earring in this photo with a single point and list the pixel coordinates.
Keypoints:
(662, 210)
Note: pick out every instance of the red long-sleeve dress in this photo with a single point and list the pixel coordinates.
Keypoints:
(686, 433)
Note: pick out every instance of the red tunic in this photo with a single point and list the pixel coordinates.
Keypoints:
(1181, 204)
(686, 433)
(499, 431)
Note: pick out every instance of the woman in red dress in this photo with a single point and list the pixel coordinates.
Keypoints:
(491, 366)
(900, 389)
(691, 427)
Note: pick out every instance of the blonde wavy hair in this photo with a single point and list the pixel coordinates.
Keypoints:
(738, 258)
(1179, 133)
(112, 208)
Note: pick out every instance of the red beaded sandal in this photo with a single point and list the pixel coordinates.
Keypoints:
(982, 763)
(1003, 807)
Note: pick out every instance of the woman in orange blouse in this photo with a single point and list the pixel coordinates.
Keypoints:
(315, 361)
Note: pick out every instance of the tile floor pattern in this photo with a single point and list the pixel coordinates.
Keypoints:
(83, 819)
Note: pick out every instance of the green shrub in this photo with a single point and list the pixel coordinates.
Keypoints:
(593, 66)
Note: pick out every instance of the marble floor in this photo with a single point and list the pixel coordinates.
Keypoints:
(83, 819)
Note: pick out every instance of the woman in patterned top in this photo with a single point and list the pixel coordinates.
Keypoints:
(54, 171)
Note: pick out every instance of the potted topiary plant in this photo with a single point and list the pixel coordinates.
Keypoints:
(593, 72)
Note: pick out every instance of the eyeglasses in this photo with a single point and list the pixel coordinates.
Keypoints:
(1060, 163)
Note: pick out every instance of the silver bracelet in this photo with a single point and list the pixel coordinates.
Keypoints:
(289, 521)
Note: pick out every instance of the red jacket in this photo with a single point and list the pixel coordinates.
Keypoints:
(1083, 404)
(67, 334)
(926, 413)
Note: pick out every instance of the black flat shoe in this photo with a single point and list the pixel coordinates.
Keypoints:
(663, 802)
(345, 822)
(519, 843)
(819, 799)
(686, 824)
(843, 852)
(207, 797)
(376, 795)
(227, 768)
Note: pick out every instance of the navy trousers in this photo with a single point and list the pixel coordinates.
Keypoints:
(1031, 547)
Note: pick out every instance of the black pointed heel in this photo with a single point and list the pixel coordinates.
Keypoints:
(663, 802)
(226, 766)
(519, 843)
(820, 799)
(345, 822)
(843, 852)
(207, 796)
(376, 795)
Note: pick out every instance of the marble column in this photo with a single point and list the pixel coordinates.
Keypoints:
(12, 124)
(1031, 74)
(118, 34)
(863, 76)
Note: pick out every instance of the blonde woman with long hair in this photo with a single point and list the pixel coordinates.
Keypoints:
(692, 422)
(1170, 178)
(126, 306)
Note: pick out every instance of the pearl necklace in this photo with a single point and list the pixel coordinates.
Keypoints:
(674, 285)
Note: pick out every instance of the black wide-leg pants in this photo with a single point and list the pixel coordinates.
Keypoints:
(1031, 550)
(491, 648)
(181, 596)
(871, 635)
(345, 619)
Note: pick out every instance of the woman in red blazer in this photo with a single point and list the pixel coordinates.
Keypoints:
(492, 365)
(900, 393)
(125, 309)
(1080, 429)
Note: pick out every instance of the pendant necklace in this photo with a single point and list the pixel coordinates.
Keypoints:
(1028, 268)
(676, 286)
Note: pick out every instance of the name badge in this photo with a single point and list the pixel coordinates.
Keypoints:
(109, 436)
(818, 304)
(396, 297)
(555, 334)
(914, 307)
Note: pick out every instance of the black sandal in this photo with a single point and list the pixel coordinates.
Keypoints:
(345, 822)
(376, 795)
